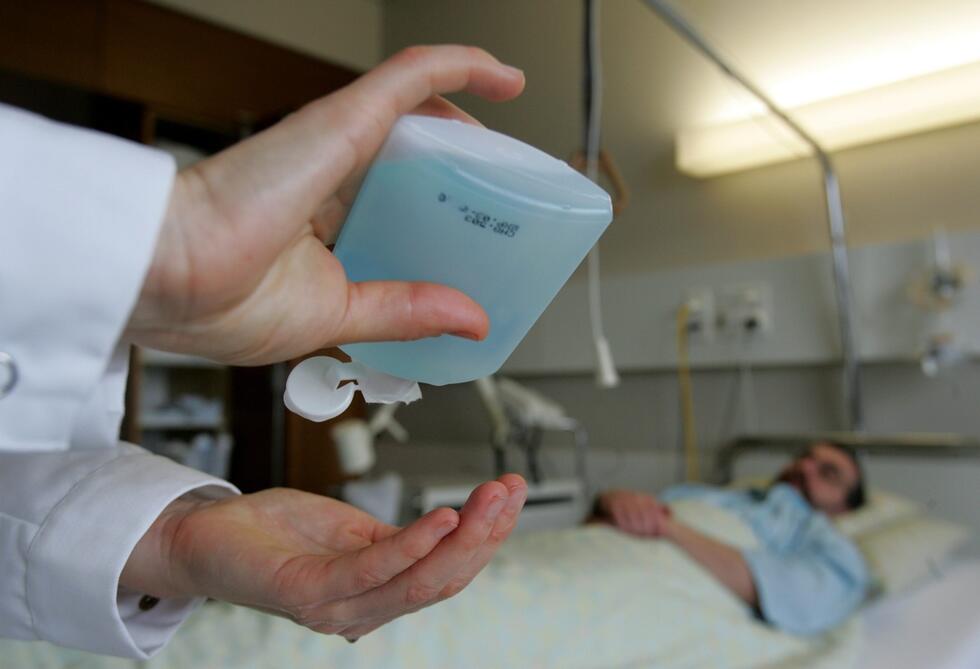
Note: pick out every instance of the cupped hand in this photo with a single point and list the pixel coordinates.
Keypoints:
(241, 273)
(318, 561)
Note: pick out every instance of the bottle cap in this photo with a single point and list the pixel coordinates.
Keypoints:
(315, 389)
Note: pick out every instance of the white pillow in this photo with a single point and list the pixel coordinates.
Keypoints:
(901, 543)
(909, 551)
(880, 510)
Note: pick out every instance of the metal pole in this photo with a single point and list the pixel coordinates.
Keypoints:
(835, 211)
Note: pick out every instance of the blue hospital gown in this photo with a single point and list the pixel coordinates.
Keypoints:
(808, 576)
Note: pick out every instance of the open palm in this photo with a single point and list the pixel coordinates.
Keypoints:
(323, 563)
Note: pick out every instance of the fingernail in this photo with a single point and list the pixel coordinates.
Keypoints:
(466, 335)
(495, 507)
(516, 500)
(445, 529)
(515, 71)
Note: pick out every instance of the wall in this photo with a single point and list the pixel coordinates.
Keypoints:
(679, 228)
(655, 84)
(642, 413)
(800, 312)
(346, 32)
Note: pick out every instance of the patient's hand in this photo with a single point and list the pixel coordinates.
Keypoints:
(318, 561)
(634, 512)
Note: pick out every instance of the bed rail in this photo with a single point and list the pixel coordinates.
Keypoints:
(909, 444)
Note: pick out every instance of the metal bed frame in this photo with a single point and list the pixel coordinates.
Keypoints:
(928, 445)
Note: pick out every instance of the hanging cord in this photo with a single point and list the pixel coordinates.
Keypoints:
(606, 375)
(692, 465)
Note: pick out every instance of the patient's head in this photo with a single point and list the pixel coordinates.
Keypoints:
(829, 476)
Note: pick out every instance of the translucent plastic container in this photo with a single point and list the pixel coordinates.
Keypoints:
(470, 208)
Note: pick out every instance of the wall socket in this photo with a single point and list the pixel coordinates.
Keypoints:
(701, 316)
(745, 309)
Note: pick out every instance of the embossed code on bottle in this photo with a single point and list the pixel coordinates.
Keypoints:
(481, 219)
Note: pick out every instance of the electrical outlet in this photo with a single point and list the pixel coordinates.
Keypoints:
(700, 303)
(745, 309)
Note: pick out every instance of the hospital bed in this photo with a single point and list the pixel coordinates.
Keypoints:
(592, 597)
(931, 618)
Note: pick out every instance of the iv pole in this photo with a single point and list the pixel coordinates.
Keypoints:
(835, 212)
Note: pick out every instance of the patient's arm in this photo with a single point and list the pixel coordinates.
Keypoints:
(724, 562)
(644, 515)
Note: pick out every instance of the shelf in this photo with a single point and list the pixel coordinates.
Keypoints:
(168, 422)
(152, 358)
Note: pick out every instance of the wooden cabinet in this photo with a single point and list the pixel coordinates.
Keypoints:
(177, 66)
(145, 72)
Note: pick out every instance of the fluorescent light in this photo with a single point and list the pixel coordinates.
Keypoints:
(940, 99)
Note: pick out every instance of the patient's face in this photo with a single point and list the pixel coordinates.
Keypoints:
(824, 475)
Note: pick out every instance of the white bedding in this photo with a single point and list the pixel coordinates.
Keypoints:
(584, 598)
(935, 626)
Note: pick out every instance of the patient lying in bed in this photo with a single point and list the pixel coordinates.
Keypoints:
(804, 577)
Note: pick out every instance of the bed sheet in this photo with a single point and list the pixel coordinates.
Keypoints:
(586, 598)
(934, 626)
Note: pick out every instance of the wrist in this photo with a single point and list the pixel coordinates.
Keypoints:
(154, 567)
(671, 529)
(167, 276)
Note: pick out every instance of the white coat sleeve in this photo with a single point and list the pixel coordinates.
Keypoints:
(79, 217)
(68, 523)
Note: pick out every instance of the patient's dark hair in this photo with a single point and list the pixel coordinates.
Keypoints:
(856, 497)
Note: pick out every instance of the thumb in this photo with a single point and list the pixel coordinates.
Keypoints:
(399, 310)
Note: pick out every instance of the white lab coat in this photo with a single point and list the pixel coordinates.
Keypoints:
(79, 216)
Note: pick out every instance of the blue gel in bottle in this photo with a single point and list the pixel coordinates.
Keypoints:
(470, 208)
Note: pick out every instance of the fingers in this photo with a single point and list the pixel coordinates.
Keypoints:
(635, 517)
(330, 214)
(393, 552)
(636, 513)
(623, 509)
(370, 105)
(424, 582)
(394, 310)
(630, 518)
(502, 528)
(651, 519)
(323, 145)
(416, 74)
(660, 520)
(647, 512)
(443, 108)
